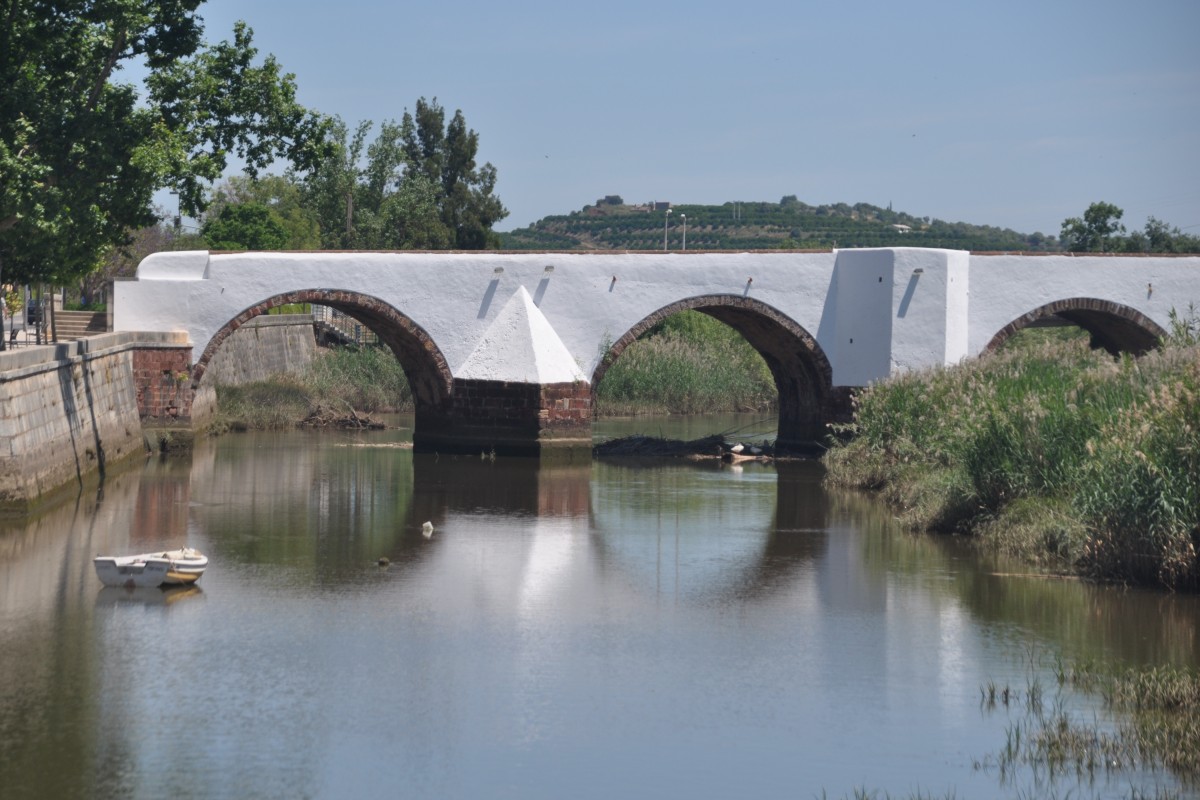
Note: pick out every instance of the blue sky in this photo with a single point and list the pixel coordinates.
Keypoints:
(1017, 114)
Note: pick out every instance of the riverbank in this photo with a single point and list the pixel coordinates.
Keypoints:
(1066, 457)
(340, 385)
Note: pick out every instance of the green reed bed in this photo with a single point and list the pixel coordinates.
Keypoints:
(691, 364)
(1052, 451)
(364, 379)
(367, 378)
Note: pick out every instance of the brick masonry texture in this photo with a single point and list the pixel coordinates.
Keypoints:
(426, 367)
(1114, 327)
(808, 400)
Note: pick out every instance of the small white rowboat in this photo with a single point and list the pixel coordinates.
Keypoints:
(165, 568)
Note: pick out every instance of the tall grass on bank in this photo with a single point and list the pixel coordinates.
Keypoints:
(367, 379)
(1054, 452)
(689, 364)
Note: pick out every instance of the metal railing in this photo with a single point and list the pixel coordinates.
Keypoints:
(342, 327)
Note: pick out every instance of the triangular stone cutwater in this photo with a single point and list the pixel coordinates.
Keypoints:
(521, 346)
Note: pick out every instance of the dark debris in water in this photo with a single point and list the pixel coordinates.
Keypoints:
(715, 447)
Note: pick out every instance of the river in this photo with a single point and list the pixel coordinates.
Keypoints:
(598, 630)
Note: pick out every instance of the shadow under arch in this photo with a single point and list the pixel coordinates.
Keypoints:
(1112, 326)
(802, 373)
(422, 361)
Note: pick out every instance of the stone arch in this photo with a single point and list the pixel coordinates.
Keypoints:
(1115, 327)
(802, 372)
(423, 363)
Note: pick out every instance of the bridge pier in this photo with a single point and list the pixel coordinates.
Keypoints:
(170, 407)
(805, 417)
(509, 418)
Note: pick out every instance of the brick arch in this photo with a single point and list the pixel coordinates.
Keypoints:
(802, 372)
(423, 363)
(1115, 327)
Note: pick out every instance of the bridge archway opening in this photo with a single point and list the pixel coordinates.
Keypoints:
(799, 367)
(424, 365)
(1114, 327)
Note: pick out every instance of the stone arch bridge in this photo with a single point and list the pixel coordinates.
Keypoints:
(504, 349)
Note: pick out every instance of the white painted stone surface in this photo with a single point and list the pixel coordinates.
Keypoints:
(520, 346)
(951, 309)
(1005, 287)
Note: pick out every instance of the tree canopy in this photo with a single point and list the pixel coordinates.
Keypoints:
(416, 186)
(1100, 231)
(245, 226)
(282, 199)
(81, 153)
(1096, 232)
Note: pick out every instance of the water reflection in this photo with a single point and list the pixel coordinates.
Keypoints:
(566, 631)
(146, 596)
(476, 485)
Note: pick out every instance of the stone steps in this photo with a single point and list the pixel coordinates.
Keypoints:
(72, 325)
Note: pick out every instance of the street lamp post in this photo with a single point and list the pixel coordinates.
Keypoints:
(666, 224)
(684, 218)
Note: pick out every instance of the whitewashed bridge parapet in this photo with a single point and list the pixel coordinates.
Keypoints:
(824, 320)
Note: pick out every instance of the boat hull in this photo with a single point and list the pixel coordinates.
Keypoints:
(166, 568)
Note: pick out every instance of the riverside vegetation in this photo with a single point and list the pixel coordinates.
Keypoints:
(1157, 726)
(688, 364)
(1064, 456)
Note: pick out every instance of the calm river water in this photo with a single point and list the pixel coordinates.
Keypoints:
(599, 630)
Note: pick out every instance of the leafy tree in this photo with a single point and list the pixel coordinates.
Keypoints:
(1098, 232)
(445, 155)
(329, 188)
(282, 196)
(81, 153)
(245, 226)
(122, 261)
(416, 186)
(1159, 237)
(376, 206)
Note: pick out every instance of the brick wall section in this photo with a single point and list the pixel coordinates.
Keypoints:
(508, 419)
(162, 378)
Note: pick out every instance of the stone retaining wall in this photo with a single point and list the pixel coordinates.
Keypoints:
(68, 412)
(264, 346)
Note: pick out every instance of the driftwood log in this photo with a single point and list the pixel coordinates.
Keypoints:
(325, 417)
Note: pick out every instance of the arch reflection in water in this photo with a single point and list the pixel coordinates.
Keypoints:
(663, 525)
